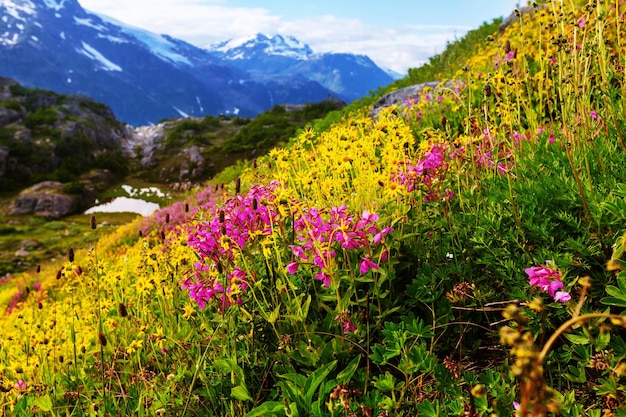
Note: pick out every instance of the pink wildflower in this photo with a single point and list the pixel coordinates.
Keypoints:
(562, 296)
(366, 265)
(344, 319)
(548, 280)
(324, 277)
(21, 385)
(292, 267)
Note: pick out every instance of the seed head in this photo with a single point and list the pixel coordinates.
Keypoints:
(122, 311)
(92, 221)
(70, 255)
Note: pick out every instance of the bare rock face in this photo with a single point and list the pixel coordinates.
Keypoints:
(4, 158)
(403, 96)
(45, 199)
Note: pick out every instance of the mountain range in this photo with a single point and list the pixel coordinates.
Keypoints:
(146, 77)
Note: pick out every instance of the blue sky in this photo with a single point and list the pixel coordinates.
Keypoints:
(396, 34)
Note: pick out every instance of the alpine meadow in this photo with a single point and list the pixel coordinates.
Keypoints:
(457, 253)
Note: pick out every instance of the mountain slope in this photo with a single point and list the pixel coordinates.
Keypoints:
(142, 76)
(348, 75)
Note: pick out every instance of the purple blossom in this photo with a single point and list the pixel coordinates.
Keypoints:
(21, 385)
(324, 277)
(562, 296)
(366, 265)
(548, 280)
(292, 267)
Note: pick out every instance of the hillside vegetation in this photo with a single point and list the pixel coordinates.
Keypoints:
(48, 136)
(222, 141)
(457, 255)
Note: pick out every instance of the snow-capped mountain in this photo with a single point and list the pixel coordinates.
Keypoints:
(144, 77)
(349, 75)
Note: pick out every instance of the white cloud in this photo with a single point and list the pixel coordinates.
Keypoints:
(205, 22)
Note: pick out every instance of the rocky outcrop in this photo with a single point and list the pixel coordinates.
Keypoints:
(45, 199)
(49, 135)
(142, 142)
(403, 96)
(4, 157)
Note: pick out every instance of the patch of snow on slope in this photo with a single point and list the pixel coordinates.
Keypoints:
(7, 40)
(87, 22)
(158, 44)
(182, 113)
(92, 53)
(54, 4)
(14, 9)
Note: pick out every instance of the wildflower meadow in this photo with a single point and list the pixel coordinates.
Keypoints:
(460, 254)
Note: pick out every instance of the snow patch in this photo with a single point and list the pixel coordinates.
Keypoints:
(199, 104)
(87, 22)
(6, 39)
(158, 44)
(126, 204)
(93, 53)
(113, 39)
(182, 113)
(14, 9)
(54, 4)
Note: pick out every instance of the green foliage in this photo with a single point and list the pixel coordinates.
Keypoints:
(277, 126)
(40, 118)
(12, 105)
(76, 187)
(445, 64)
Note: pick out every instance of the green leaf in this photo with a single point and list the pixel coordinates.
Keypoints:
(44, 403)
(314, 381)
(613, 291)
(274, 315)
(429, 409)
(345, 375)
(618, 302)
(577, 339)
(575, 374)
(385, 383)
(241, 393)
(268, 408)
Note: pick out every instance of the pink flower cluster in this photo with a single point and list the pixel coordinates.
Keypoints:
(21, 295)
(426, 172)
(180, 213)
(231, 229)
(320, 234)
(548, 280)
